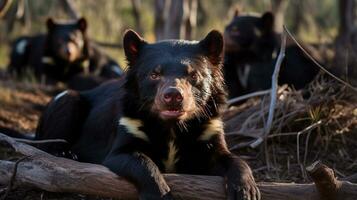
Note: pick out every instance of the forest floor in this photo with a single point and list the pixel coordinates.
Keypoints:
(334, 143)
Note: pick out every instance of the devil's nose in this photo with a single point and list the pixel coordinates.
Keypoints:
(172, 95)
(68, 51)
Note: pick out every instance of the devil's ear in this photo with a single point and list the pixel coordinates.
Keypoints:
(267, 20)
(50, 24)
(82, 24)
(132, 46)
(212, 46)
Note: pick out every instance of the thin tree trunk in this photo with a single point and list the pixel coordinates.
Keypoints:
(173, 22)
(345, 62)
(161, 12)
(4, 6)
(279, 8)
(189, 19)
(69, 8)
(175, 19)
(136, 5)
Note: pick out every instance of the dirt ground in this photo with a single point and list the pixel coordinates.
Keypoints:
(21, 105)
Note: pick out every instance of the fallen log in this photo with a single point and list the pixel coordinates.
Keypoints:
(43, 171)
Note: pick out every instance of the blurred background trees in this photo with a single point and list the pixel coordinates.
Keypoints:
(312, 21)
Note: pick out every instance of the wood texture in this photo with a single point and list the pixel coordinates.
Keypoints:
(46, 172)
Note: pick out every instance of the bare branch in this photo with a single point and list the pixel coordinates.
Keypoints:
(317, 63)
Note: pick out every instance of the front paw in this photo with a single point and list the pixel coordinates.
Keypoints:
(243, 189)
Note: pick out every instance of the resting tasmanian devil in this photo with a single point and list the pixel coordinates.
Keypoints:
(163, 116)
(251, 51)
(65, 53)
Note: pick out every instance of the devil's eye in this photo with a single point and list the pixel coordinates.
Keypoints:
(154, 76)
(194, 76)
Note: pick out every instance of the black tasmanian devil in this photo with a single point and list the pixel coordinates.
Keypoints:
(251, 51)
(65, 53)
(163, 116)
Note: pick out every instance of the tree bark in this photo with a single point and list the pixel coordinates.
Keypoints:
(299, 17)
(345, 62)
(189, 19)
(173, 22)
(161, 12)
(69, 8)
(136, 5)
(175, 19)
(44, 171)
(4, 6)
(279, 8)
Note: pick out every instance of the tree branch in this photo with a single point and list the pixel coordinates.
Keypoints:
(54, 174)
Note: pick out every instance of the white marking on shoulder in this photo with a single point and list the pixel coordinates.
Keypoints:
(21, 46)
(214, 127)
(172, 159)
(48, 60)
(133, 125)
(116, 69)
(58, 96)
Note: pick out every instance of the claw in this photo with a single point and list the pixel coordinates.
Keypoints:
(247, 195)
(253, 193)
(241, 194)
(258, 194)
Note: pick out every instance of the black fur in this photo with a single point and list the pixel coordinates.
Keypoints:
(63, 54)
(251, 50)
(170, 99)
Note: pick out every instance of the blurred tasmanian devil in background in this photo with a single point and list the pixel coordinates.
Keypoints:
(251, 50)
(65, 54)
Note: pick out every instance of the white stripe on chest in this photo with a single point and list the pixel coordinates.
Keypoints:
(243, 75)
(47, 60)
(172, 159)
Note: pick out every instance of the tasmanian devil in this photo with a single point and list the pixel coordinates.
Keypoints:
(65, 53)
(251, 51)
(163, 116)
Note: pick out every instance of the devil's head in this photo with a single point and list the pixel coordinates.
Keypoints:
(67, 41)
(175, 80)
(251, 34)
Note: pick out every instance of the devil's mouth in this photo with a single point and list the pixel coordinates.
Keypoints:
(172, 113)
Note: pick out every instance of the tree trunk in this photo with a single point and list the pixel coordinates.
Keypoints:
(345, 62)
(38, 169)
(299, 17)
(175, 19)
(69, 8)
(173, 22)
(4, 6)
(136, 5)
(189, 19)
(161, 12)
(279, 8)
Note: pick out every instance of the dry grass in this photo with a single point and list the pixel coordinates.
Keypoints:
(319, 126)
(21, 104)
(322, 126)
